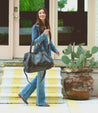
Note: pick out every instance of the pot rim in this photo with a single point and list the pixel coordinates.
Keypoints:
(69, 70)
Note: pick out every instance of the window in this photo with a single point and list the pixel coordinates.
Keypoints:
(86, 5)
(4, 19)
(67, 5)
(28, 12)
(72, 22)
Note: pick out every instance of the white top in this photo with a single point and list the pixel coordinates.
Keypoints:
(48, 39)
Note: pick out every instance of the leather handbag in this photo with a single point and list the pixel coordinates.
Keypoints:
(37, 61)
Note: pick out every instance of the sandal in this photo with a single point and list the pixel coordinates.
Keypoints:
(23, 99)
(44, 105)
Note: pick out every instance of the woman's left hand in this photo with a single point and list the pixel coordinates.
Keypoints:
(58, 53)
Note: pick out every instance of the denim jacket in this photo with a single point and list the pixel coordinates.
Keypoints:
(42, 40)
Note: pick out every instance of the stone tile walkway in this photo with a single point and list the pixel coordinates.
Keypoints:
(69, 106)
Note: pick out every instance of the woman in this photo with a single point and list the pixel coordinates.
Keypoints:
(40, 35)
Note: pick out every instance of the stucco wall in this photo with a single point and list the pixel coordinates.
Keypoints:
(97, 26)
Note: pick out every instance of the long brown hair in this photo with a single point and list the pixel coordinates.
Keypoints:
(39, 22)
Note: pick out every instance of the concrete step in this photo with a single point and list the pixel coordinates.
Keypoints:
(22, 80)
(14, 80)
(13, 98)
(18, 88)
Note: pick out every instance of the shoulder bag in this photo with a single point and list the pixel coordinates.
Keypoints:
(37, 61)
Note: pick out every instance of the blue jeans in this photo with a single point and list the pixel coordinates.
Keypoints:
(35, 83)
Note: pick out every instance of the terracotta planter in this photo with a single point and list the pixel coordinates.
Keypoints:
(78, 84)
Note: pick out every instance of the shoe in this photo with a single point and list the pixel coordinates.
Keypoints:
(45, 105)
(23, 99)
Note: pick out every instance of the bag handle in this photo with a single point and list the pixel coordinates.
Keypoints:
(31, 46)
(32, 43)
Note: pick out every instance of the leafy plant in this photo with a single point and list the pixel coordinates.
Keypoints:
(31, 5)
(79, 58)
(71, 10)
(26, 23)
(61, 4)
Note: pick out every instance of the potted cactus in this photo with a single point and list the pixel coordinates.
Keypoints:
(79, 63)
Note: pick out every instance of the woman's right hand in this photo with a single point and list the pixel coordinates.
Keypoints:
(46, 31)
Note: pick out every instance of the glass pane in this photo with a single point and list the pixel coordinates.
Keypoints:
(4, 19)
(86, 5)
(28, 9)
(67, 5)
(72, 25)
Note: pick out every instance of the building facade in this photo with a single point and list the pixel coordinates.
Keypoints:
(15, 35)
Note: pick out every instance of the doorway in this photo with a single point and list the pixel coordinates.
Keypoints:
(25, 18)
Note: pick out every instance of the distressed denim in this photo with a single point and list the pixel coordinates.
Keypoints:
(42, 40)
(30, 88)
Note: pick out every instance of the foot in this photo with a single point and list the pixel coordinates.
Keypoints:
(23, 99)
(44, 105)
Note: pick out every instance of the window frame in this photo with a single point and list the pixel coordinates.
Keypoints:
(91, 25)
(77, 20)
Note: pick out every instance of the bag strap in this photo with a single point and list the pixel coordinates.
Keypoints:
(28, 79)
(26, 76)
(43, 75)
